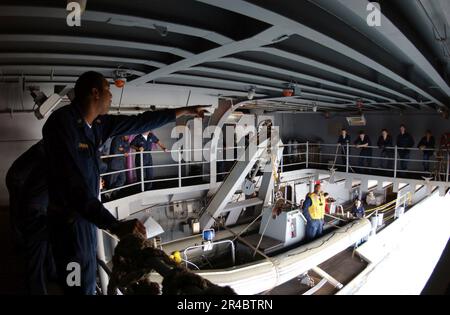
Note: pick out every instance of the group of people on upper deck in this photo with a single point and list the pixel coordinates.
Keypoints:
(386, 144)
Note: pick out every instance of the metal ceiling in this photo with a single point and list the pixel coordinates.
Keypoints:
(325, 48)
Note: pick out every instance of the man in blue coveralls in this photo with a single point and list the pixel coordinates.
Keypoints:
(72, 136)
(143, 143)
(119, 145)
(26, 181)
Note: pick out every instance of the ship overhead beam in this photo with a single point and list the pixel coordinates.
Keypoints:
(311, 62)
(387, 34)
(275, 90)
(115, 19)
(297, 75)
(84, 40)
(291, 26)
(263, 38)
(81, 57)
(264, 54)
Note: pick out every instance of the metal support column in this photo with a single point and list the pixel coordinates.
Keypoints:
(179, 168)
(448, 166)
(307, 154)
(142, 171)
(347, 160)
(395, 162)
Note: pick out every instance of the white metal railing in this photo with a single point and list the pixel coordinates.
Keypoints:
(391, 161)
(346, 158)
(178, 164)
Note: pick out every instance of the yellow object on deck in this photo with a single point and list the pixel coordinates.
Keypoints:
(176, 256)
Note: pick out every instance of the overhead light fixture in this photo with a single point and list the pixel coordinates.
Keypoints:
(46, 104)
(297, 90)
(162, 30)
(251, 93)
(120, 82)
(120, 77)
(288, 92)
(291, 90)
(356, 121)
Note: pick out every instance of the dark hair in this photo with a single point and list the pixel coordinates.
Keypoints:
(86, 82)
(402, 125)
(361, 132)
(428, 131)
(384, 130)
(344, 129)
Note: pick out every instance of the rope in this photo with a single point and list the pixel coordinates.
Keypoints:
(335, 157)
(241, 239)
(260, 239)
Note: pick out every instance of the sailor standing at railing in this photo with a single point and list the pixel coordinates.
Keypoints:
(404, 143)
(427, 145)
(365, 155)
(343, 141)
(144, 143)
(314, 212)
(385, 144)
(119, 145)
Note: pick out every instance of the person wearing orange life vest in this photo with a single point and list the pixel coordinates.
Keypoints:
(314, 211)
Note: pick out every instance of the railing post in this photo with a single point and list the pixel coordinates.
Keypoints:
(347, 160)
(307, 154)
(142, 171)
(395, 162)
(281, 164)
(448, 167)
(179, 168)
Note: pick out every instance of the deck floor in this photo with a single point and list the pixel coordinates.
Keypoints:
(267, 243)
(344, 267)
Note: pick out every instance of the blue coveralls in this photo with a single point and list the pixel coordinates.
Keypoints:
(386, 153)
(358, 212)
(26, 181)
(118, 146)
(343, 142)
(314, 228)
(428, 152)
(140, 141)
(404, 143)
(365, 155)
(73, 169)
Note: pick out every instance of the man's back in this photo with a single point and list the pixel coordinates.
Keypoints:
(26, 181)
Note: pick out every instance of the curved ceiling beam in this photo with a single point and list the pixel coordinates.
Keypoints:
(39, 78)
(297, 75)
(133, 21)
(319, 65)
(387, 32)
(268, 80)
(49, 68)
(115, 19)
(93, 41)
(20, 55)
(70, 80)
(223, 81)
(259, 13)
(121, 60)
(269, 36)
